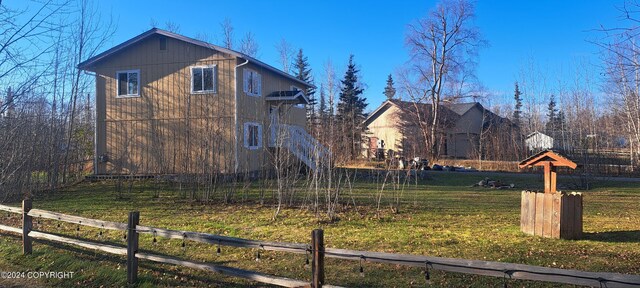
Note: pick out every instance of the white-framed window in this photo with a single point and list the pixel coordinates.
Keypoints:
(295, 88)
(252, 82)
(128, 83)
(252, 135)
(204, 79)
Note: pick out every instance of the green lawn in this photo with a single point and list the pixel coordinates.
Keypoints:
(442, 216)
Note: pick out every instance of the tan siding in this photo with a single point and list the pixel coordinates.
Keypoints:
(385, 127)
(462, 140)
(149, 134)
(256, 109)
(169, 130)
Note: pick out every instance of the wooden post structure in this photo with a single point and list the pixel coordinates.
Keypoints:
(317, 265)
(550, 177)
(132, 247)
(550, 160)
(27, 225)
(552, 213)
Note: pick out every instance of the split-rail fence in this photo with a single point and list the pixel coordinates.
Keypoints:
(315, 249)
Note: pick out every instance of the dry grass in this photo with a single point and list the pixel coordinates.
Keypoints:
(441, 216)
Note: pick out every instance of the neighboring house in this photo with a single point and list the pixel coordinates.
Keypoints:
(538, 141)
(400, 125)
(166, 103)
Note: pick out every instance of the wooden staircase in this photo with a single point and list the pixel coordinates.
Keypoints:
(301, 144)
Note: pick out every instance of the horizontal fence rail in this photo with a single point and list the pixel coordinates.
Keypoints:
(89, 245)
(85, 244)
(316, 251)
(489, 268)
(11, 209)
(240, 273)
(11, 229)
(77, 220)
(225, 240)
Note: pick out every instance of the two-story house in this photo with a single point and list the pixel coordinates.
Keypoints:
(166, 103)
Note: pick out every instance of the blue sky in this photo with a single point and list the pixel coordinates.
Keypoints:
(551, 34)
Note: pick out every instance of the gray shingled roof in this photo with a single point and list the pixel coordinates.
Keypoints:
(409, 107)
(450, 110)
(155, 31)
(461, 108)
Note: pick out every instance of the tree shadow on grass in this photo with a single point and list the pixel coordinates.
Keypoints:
(630, 236)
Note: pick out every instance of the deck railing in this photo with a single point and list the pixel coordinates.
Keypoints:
(301, 144)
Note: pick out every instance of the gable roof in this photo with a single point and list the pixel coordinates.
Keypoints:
(410, 107)
(402, 105)
(155, 31)
(450, 111)
(548, 155)
(461, 108)
(383, 107)
(405, 105)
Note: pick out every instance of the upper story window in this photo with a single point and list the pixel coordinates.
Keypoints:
(204, 79)
(252, 135)
(128, 83)
(252, 82)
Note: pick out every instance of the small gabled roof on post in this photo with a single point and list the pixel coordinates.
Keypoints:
(291, 97)
(547, 156)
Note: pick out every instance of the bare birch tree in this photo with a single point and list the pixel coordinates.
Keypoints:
(227, 33)
(25, 43)
(88, 35)
(249, 45)
(622, 60)
(443, 46)
(285, 53)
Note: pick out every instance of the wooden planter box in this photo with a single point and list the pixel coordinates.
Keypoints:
(554, 215)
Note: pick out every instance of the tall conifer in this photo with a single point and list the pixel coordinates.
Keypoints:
(350, 114)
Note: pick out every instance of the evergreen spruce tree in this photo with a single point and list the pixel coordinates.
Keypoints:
(552, 114)
(560, 121)
(389, 90)
(350, 114)
(322, 109)
(303, 72)
(517, 111)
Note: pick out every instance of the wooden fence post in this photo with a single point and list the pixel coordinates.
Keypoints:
(132, 247)
(27, 225)
(317, 266)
